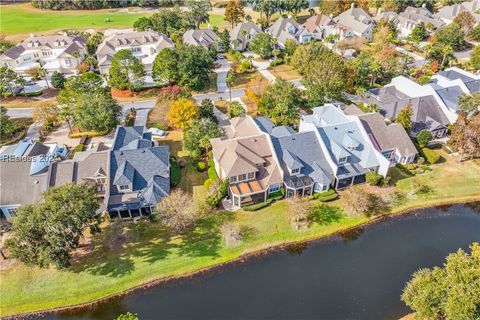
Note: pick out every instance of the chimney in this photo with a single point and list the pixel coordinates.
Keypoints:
(379, 11)
(424, 5)
(331, 15)
(353, 5)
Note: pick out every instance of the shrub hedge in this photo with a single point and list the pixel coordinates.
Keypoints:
(87, 134)
(258, 206)
(328, 195)
(277, 195)
(430, 155)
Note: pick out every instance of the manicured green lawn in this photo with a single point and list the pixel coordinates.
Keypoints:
(148, 252)
(127, 255)
(22, 18)
(449, 181)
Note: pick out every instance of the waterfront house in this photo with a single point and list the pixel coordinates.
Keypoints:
(61, 53)
(391, 140)
(244, 155)
(304, 165)
(343, 138)
(90, 167)
(139, 173)
(144, 46)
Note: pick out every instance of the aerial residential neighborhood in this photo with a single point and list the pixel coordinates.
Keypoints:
(177, 158)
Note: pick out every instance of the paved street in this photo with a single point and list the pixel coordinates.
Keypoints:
(142, 108)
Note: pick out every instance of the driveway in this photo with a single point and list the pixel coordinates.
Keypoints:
(222, 71)
(417, 60)
(142, 108)
(261, 66)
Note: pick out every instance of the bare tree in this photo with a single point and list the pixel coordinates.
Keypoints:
(231, 233)
(299, 209)
(177, 211)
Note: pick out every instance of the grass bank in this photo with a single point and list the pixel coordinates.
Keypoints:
(129, 255)
(125, 256)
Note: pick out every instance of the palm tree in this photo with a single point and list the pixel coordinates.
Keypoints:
(229, 80)
(250, 60)
(43, 73)
(275, 52)
(243, 33)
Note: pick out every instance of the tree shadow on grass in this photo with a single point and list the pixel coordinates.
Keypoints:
(205, 239)
(324, 214)
(248, 232)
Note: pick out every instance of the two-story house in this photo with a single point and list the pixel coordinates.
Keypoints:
(242, 34)
(288, 29)
(59, 53)
(244, 155)
(139, 173)
(206, 38)
(354, 22)
(25, 173)
(304, 165)
(88, 167)
(144, 46)
(320, 26)
(343, 138)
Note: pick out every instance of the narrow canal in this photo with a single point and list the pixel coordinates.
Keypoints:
(359, 275)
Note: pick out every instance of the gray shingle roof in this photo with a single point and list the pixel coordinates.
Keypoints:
(427, 113)
(388, 137)
(302, 150)
(68, 43)
(145, 169)
(200, 37)
(251, 28)
(342, 137)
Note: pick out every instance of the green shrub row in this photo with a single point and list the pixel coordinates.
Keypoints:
(174, 172)
(212, 174)
(277, 195)
(30, 94)
(430, 155)
(258, 206)
(328, 195)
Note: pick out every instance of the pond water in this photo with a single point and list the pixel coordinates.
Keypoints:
(359, 275)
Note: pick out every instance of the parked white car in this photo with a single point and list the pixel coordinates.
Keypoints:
(157, 132)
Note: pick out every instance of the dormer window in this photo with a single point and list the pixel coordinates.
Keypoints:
(342, 159)
(123, 187)
(295, 171)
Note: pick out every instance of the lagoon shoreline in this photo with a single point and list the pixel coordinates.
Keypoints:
(248, 254)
